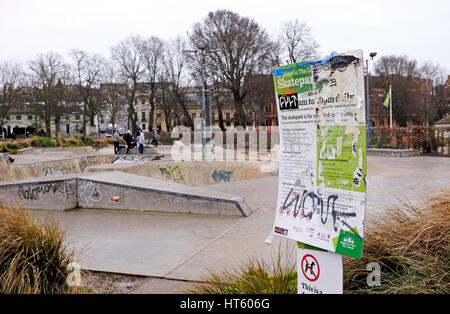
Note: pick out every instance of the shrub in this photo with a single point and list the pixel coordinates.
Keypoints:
(12, 145)
(46, 141)
(86, 140)
(33, 256)
(411, 244)
(254, 277)
(103, 142)
(71, 141)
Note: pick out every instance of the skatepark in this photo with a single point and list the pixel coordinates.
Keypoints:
(172, 221)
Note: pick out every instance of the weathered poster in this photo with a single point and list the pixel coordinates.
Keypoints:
(322, 156)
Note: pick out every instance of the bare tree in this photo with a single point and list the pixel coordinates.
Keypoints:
(176, 74)
(112, 96)
(296, 39)
(153, 54)
(168, 103)
(131, 68)
(400, 72)
(88, 70)
(435, 75)
(49, 72)
(389, 66)
(238, 47)
(11, 79)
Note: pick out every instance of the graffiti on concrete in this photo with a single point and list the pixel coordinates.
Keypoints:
(89, 193)
(87, 161)
(33, 193)
(172, 173)
(130, 160)
(222, 175)
(70, 189)
(50, 171)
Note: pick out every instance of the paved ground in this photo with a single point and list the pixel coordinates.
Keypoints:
(180, 248)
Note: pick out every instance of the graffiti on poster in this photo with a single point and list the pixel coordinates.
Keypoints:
(322, 159)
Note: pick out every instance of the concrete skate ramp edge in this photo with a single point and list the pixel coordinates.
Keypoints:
(120, 191)
(193, 173)
(61, 166)
(56, 193)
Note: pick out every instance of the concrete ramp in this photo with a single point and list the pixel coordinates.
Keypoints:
(120, 191)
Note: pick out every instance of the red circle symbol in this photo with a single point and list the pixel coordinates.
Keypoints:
(310, 267)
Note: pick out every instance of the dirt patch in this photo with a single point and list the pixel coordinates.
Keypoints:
(110, 283)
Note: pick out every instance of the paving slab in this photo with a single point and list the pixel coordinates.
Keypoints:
(163, 286)
(138, 243)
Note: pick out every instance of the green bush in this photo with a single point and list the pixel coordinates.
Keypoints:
(47, 141)
(87, 141)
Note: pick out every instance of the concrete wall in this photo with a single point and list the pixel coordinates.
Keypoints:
(119, 191)
(55, 167)
(104, 195)
(59, 194)
(69, 165)
(194, 173)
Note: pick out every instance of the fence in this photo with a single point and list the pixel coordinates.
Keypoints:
(426, 139)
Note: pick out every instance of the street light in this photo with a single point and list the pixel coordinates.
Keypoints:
(210, 111)
(372, 55)
(202, 61)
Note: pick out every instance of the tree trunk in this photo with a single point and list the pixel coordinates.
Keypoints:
(151, 117)
(132, 118)
(48, 126)
(220, 113)
(56, 126)
(84, 123)
(240, 114)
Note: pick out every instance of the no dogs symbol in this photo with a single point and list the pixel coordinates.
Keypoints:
(310, 267)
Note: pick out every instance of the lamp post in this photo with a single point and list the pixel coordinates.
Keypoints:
(202, 62)
(210, 111)
(372, 55)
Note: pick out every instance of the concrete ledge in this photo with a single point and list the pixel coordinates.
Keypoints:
(68, 165)
(28, 150)
(135, 150)
(120, 191)
(392, 152)
(57, 193)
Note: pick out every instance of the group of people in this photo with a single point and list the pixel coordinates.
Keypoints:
(138, 140)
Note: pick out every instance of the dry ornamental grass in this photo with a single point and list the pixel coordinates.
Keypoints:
(410, 243)
(33, 257)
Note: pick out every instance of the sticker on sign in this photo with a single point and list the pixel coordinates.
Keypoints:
(319, 272)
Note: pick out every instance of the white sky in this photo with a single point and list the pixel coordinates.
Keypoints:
(418, 29)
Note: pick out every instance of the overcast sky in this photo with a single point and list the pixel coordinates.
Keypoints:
(418, 29)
